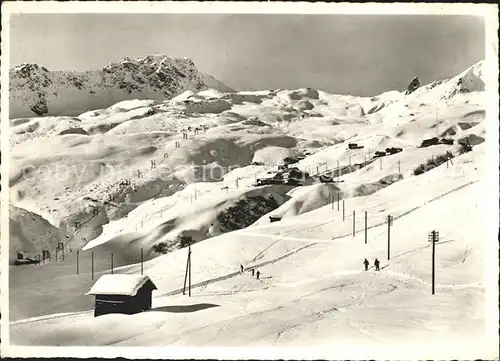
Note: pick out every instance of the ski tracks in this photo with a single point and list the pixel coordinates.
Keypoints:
(425, 283)
(313, 242)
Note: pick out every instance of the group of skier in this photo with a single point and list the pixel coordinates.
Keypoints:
(376, 263)
(252, 270)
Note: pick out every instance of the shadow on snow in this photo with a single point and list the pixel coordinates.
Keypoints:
(185, 308)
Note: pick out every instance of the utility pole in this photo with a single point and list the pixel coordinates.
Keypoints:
(399, 166)
(338, 201)
(343, 210)
(353, 223)
(380, 163)
(437, 125)
(92, 265)
(389, 224)
(433, 237)
(142, 261)
(338, 172)
(188, 273)
(366, 228)
(185, 275)
(111, 262)
(77, 265)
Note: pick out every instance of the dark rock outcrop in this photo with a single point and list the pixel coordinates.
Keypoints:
(414, 85)
(74, 131)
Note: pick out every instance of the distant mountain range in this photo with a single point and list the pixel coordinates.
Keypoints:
(34, 90)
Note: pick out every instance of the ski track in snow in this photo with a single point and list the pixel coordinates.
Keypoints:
(315, 242)
(312, 242)
(383, 121)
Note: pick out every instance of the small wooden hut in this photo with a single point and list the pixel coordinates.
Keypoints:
(122, 293)
(275, 218)
(429, 142)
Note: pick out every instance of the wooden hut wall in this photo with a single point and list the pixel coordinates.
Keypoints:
(105, 304)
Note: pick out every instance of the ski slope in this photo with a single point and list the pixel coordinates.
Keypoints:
(312, 291)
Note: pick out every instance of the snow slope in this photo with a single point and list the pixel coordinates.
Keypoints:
(89, 156)
(299, 300)
(34, 90)
(312, 290)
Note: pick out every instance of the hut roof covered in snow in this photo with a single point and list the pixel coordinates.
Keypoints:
(119, 284)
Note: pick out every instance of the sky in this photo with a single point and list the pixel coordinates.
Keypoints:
(345, 54)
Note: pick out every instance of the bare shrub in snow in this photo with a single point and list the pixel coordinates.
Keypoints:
(162, 247)
(245, 212)
(370, 188)
(166, 247)
(185, 241)
(433, 163)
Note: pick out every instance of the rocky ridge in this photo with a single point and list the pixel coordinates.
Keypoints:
(34, 90)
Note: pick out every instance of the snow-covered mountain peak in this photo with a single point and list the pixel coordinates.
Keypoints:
(34, 90)
(155, 61)
(470, 80)
(26, 69)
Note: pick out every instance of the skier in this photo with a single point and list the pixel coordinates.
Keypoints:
(253, 272)
(241, 267)
(377, 264)
(258, 274)
(366, 263)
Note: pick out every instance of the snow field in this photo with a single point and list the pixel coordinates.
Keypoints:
(313, 290)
